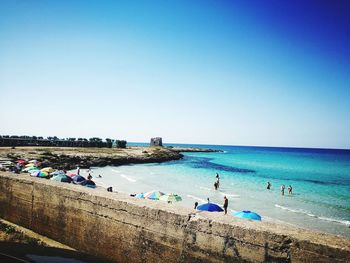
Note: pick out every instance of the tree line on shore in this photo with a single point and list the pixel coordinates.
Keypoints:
(14, 140)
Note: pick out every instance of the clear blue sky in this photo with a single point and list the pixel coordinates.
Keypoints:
(273, 73)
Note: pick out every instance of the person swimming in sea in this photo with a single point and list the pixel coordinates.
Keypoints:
(268, 187)
(290, 189)
(217, 180)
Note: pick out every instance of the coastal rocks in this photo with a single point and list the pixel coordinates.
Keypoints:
(69, 158)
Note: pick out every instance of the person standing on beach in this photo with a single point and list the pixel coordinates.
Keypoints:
(225, 204)
(290, 189)
(282, 189)
(268, 187)
(195, 205)
(78, 170)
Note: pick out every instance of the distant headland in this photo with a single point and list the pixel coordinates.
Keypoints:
(93, 152)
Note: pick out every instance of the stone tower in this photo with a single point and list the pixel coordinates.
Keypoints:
(156, 141)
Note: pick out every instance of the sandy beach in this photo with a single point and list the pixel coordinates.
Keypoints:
(125, 223)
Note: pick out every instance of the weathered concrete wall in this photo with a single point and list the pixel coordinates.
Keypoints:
(124, 229)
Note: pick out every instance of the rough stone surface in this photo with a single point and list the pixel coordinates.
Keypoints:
(124, 229)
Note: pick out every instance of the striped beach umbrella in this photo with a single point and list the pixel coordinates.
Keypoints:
(43, 174)
(35, 173)
(38, 173)
(170, 198)
(153, 195)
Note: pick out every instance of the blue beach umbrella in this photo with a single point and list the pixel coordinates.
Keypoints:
(62, 178)
(210, 207)
(248, 215)
(66, 179)
(78, 179)
(89, 183)
(140, 196)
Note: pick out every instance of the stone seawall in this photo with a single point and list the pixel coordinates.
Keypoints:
(123, 229)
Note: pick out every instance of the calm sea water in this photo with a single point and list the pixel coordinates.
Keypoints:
(320, 179)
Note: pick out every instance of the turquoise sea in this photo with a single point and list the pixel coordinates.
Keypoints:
(320, 179)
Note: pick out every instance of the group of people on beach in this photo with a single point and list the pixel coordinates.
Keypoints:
(283, 187)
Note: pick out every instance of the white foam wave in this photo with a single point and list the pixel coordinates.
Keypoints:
(290, 209)
(196, 198)
(301, 211)
(344, 222)
(128, 178)
(116, 171)
(230, 195)
(205, 188)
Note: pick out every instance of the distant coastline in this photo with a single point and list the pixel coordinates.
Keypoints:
(71, 157)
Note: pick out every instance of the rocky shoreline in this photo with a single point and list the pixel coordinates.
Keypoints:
(68, 158)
